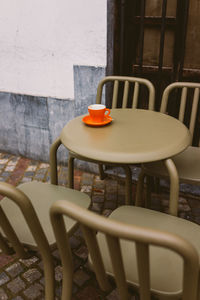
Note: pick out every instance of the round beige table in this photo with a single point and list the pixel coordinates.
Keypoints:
(134, 136)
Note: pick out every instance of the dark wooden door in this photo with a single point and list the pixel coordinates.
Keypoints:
(155, 39)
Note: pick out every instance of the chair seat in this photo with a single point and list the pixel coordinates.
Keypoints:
(170, 280)
(42, 196)
(187, 164)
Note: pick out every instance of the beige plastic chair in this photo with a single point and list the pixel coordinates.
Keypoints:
(131, 89)
(153, 252)
(24, 220)
(187, 162)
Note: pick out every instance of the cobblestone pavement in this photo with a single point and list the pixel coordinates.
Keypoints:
(23, 279)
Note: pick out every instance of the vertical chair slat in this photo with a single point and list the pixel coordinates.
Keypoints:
(142, 251)
(118, 267)
(135, 95)
(183, 104)
(11, 235)
(93, 247)
(125, 95)
(115, 93)
(194, 110)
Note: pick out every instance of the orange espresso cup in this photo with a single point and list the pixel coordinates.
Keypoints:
(98, 112)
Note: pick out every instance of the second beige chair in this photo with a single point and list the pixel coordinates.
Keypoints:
(25, 221)
(153, 252)
(187, 162)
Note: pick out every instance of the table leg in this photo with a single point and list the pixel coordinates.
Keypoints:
(128, 185)
(53, 161)
(70, 171)
(174, 186)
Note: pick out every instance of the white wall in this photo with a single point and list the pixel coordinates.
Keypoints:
(41, 40)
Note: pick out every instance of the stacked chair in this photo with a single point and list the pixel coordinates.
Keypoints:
(187, 162)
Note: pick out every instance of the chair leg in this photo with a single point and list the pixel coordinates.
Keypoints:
(4, 246)
(174, 186)
(71, 171)
(128, 185)
(53, 161)
(139, 191)
(11, 235)
(102, 174)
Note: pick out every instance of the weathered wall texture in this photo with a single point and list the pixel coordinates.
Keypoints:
(29, 125)
(40, 41)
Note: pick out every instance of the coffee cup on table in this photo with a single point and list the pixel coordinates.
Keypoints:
(98, 112)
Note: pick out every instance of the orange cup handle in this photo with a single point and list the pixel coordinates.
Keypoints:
(108, 112)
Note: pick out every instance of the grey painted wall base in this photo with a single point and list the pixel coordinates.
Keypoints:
(29, 125)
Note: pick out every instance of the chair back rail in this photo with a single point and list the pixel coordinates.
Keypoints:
(114, 232)
(29, 214)
(183, 100)
(135, 82)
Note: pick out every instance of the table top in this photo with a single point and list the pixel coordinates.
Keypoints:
(134, 136)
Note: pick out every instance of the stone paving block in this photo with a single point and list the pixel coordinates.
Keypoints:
(77, 263)
(74, 242)
(3, 295)
(29, 261)
(6, 259)
(82, 252)
(5, 174)
(34, 291)
(9, 168)
(14, 269)
(3, 161)
(87, 179)
(86, 189)
(3, 278)
(58, 273)
(111, 197)
(26, 179)
(31, 168)
(31, 275)
(44, 166)
(29, 173)
(99, 198)
(16, 285)
(18, 298)
(80, 277)
(89, 293)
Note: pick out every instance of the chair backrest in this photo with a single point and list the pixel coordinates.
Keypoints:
(114, 231)
(131, 89)
(23, 202)
(184, 86)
